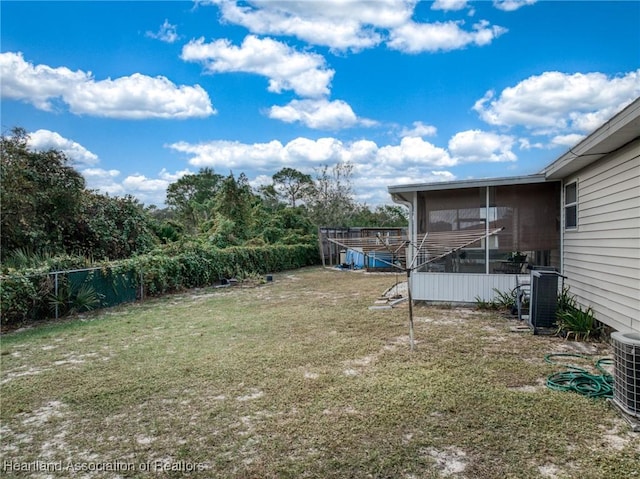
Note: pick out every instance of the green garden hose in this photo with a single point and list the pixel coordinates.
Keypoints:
(580, 380)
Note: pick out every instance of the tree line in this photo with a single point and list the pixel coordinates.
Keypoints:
(46, 208)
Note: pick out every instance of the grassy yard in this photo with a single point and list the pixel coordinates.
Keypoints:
(298, 378)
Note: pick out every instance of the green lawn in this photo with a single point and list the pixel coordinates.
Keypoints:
(298, 378)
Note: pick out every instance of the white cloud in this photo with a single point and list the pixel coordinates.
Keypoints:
(567, 141)
(138, 97)
(152, 191)
(355, 25)
(260, 180)
(105, 181)
(525, 144)
(338, 24)
(147, 190)
(481, 146)
(131, 97)
(419, 129)
(287, 69)
(141, 183)
(449, 5)
(432, 37)
(226, 155)
(414, 151)
(512, 5)
(318, 114)
(167, 33)
(38, 84)
(306, 154)
(556, 102)
(371, 185)
(44, 140)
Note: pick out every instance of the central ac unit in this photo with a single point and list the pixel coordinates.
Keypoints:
(543, 299)
(626, 353)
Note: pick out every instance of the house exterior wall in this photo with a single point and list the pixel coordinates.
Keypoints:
(601, 256)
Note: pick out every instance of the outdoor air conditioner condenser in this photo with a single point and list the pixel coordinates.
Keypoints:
(543, 300)
(626, 355)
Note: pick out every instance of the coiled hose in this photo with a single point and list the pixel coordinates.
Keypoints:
(580, 380)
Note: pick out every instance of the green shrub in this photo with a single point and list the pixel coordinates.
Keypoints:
(68, 301)
(27, 295)
(484, 304)
(581, 323)
(573, 320)
(505, 300)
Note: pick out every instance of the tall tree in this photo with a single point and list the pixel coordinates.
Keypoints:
(41, 196)
(384, 216)
(192, 195)
(113, 228)
(233, 203)
(331, 201)
(292, 185)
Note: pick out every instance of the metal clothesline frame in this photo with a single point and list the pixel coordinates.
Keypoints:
(381, 243)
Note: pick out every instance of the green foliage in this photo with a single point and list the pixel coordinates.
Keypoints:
(223, 232)
(70, 301)
(46, 210)
(566, 301)
(331, 201)
(28, 294)
(41, 196)
(381, 216)
(573, 320)
(25, 258)
(168, 231)
(21, 297)
(113, 228)
(505, 299)
(197, 264)
(292, 185)
(484, 304)
(234, 201)
(191, 197)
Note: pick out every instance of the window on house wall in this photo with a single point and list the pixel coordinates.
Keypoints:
(571, 205)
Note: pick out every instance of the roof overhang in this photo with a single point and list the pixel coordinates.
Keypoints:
(474, 183)
(620, 130)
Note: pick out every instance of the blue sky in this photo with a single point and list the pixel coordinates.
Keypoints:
(138, 94)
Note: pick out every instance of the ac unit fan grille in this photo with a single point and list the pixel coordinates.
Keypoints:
(626, 391)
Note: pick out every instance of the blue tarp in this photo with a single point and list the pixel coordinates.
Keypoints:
(355, 259)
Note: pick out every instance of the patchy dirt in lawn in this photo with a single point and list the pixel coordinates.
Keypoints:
(299, 378)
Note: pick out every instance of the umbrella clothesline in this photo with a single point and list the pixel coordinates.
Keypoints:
(429, 247)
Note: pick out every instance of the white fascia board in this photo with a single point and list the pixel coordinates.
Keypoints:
(621, 129)
(473, 183)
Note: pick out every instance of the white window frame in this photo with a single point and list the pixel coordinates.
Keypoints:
(573, 204)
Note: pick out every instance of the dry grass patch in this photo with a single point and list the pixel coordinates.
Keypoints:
(299, 378)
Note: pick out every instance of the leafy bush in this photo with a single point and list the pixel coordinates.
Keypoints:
(572, 319)
(506, 299)
(27, 294)
(484, 304)
(68, 301)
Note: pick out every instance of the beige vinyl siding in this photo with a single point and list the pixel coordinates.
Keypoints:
(601, 257)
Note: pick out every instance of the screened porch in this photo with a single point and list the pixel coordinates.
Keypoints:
(529, 215)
